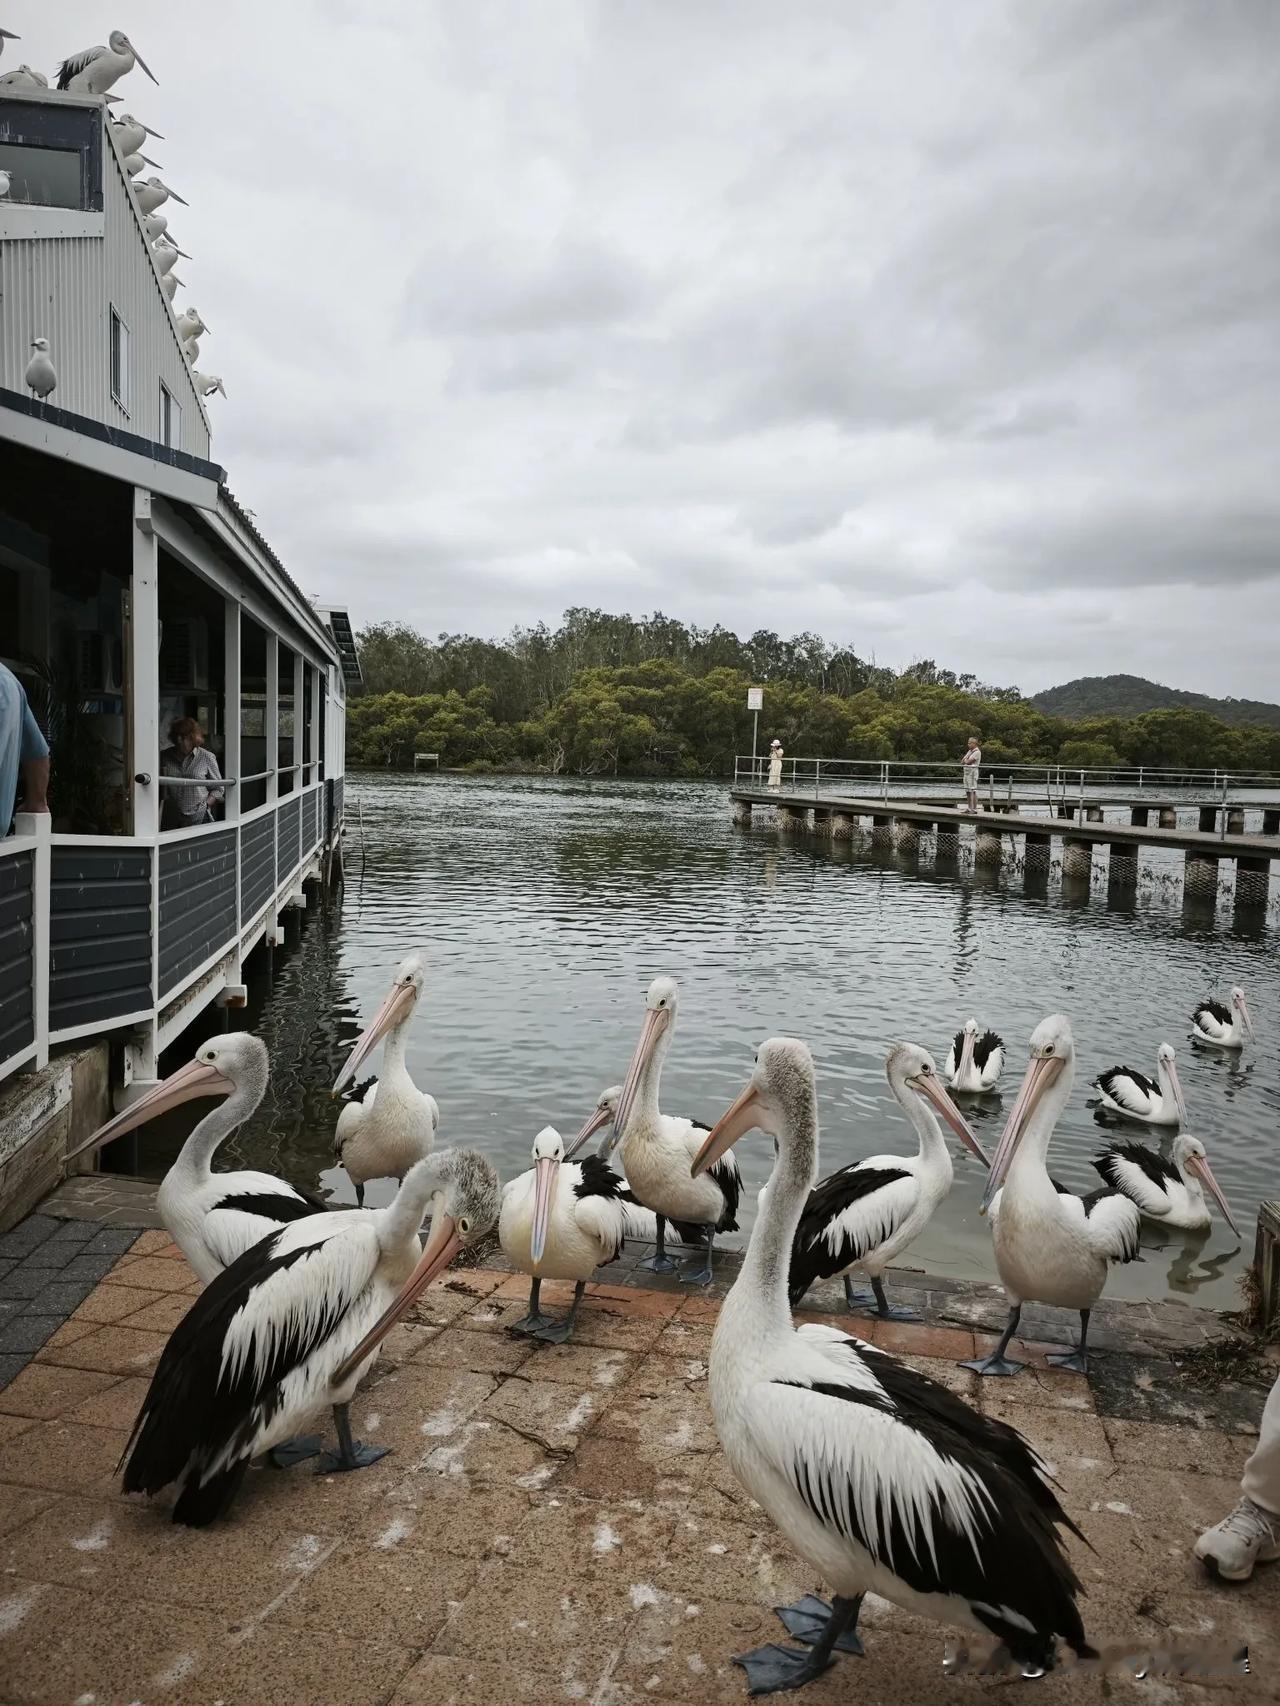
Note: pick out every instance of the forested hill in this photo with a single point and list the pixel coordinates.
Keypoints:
(1131, 695)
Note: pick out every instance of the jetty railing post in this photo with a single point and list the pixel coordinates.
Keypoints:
(1223, 831)
(36, 828)
(817, 776)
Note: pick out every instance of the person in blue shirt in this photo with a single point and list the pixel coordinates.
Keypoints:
(23, 749)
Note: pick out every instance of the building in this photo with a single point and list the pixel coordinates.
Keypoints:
(135, 589)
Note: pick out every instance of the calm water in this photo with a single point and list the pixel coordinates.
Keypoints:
(545, 907)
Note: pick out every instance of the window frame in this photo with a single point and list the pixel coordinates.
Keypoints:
(46, 124)
(170, 434)
(120, 394)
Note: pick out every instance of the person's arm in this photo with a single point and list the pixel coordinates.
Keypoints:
(214, 774)
(34, 758)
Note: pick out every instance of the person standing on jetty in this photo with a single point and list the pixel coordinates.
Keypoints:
(775, 763)
(1251, 1534)
(972, 759)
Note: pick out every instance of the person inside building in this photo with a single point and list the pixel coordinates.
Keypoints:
(24, 752)
(186, 804)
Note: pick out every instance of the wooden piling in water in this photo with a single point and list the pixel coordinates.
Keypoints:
(1077, 859)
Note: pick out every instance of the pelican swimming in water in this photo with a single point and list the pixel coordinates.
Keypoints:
(562, 1220)
(975, 1059)
(1051, 1246)
(1223, 1027)
(866, 1214)
(1133, 1096)
(214, 1218)
(293, 1325)
(1168, 1192)
(389, 1123)
(879, 1478)
(95, 69)
(656, 1148)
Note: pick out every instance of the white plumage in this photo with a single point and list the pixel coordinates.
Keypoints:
(975, 1059)
(93, 70)
(1171, 1193)
(206, 384)
(1134, 1096)
(24, 78)
(41, 377)
(389, 1123)
(130, 133)
(1223, 1026)
(151, 193)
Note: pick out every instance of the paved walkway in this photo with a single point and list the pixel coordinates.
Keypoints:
(553, 1524)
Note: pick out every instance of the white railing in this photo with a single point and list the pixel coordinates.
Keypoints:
(1052, 784)
(32, 837)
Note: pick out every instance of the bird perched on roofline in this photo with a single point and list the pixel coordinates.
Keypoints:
(206, 384)
(41, 377)
(93, 70)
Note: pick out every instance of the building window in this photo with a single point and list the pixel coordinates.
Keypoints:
(119, 361)
(53, 155)
(170, 419)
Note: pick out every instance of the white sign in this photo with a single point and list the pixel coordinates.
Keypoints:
(755, 698)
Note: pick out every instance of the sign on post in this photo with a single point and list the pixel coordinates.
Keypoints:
(755, 703)
(755, 698)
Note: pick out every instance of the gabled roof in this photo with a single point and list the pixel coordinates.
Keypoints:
(339, 624)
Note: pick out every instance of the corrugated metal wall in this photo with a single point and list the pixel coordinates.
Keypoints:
(257, 866)
(17, 1016)
(197, 903)
(63, 288)
(99, 934)
(288, 848)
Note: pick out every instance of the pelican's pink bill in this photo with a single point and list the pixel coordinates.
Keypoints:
(736, 1121)
(1200, 1167)
(1178, 1101)
(599, 1117)
(442, 1246)
(197, 1078)
(655, 1022)
(1041, 1073)
(1246, 1016)
(394, 1009)
(927, 1085)
(548, 1174)
(966, 1054)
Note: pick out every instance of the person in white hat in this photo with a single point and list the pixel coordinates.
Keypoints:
(775, 763)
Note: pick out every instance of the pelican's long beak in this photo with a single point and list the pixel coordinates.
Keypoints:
(1176, 1084)
(442, 1246)
(184, 254)
(9, 35)
(598, 1118)
(174, 196)
(735, 1122)
(1041, 1073)
(151, 132)
(966, 1054)
(1204, 1173)
(655, 1023)
(932, 1091)
(197, 1078)
(142, 62)
(148, 161)
(394, 1010)
(548, 1171)
(1244, 1014)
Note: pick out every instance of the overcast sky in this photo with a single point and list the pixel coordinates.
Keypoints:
(945, 329)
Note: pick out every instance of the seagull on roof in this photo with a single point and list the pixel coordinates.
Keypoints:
(152, 193)
(130, 133)
(93, 70)
(41, 377)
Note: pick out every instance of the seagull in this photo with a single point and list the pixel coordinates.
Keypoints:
(207, 383)
(24, 77)
(152, 193)
(190, 325)
(166, 253)
(41, 376)
(129, 133)
(95, 69)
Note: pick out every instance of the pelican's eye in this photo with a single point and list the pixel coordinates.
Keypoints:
(1048, 1048)
(464, 1225)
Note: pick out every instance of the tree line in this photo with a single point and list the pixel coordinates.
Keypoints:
(615, 695)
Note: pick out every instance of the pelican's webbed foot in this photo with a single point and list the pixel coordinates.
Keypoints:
(808, 1620)
(994, 1364)
(774, 1669)
(881, 1309)
(351, 1454)
(1076, 1361)
(659, 1262)
(535, 1321)
(296, 1450)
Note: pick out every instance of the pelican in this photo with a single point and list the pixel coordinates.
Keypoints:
(170, 284)
(41, 377)
(207, 383)
(1135, 1097)
(866, 1215)
(1170, 1192)
(389, 1123)
(292, 1325)
(882, 1480)
(561, 1220)
(1223, 1027)
(191, 350)
(8, 35)
(5, 182)
(214, 1218)
(974, 1062)
(166, 253)
(130, 133)
(133, 163)
(1051, 1246)
(190, 325)
(24, 77)
(155, 225)
(152, 193)
(95, 69)
(657, 1148)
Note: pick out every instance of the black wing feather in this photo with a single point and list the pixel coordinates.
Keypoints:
(988, 1041)
(599, 1180)
(1106, 1081)
(358, 1092)
(281, 1207)
(812, 1255)
(1215, 1010)
(957, 1046)
(1161, 1172)
(75, 65)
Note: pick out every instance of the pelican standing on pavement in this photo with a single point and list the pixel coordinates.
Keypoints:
(1134, 1096)
(1168, 1192)
(1223, 1026)
(293, 1325)
(214, 1218)
(389, 1123)
(1051, 1246)
(656, 1148)
(882, 1480)
(561, 1220)
(95, 69)
(866, 1214)
(975, 1059)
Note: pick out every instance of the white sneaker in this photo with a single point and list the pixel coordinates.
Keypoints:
(1247, 1537)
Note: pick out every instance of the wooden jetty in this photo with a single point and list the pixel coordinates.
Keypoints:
(1080, 826)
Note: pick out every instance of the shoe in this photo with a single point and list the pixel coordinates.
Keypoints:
(1247, 1537)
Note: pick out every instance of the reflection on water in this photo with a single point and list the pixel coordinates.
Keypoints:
(545, 907)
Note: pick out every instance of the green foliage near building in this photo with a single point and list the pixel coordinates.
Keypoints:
(606, 695)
